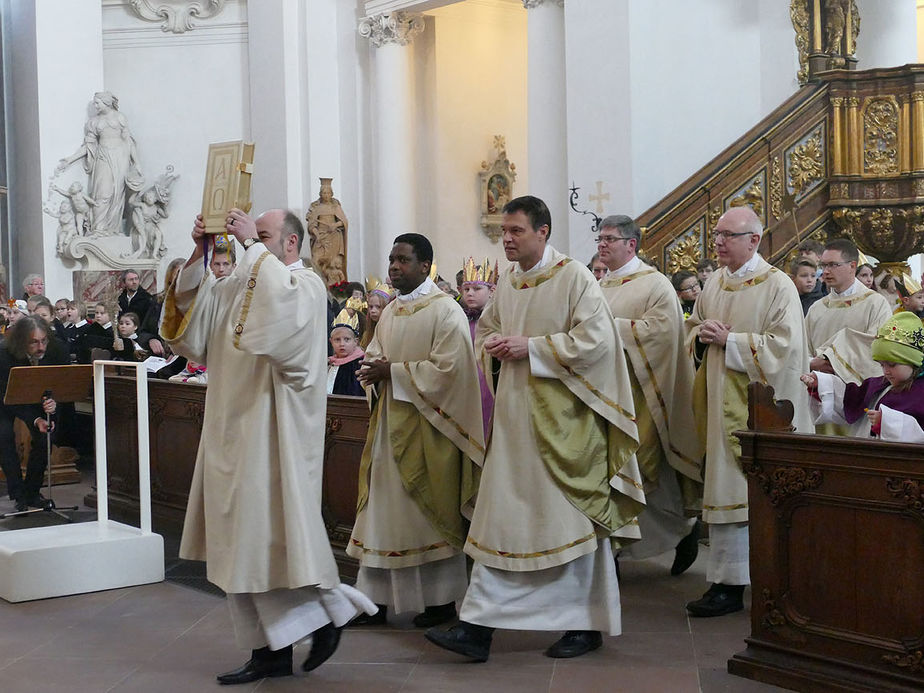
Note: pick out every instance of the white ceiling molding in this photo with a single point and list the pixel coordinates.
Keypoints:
(176, 16)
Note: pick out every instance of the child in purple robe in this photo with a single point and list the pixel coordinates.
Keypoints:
(893, 403)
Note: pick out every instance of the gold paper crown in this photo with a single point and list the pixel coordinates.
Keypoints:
(375, 285)
(484, 274)
(909, 284)
(344, 318)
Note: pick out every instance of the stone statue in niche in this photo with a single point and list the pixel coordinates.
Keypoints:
(835, 23)
(111, 159)
(327, 227)
(149, 207)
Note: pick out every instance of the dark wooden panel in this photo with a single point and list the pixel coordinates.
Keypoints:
(837, 550)
(175, 420)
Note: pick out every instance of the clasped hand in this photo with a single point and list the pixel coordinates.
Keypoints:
(714, 332)
(372, 372)
(507, 348)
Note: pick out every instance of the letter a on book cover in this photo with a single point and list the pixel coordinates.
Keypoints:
(227, 182)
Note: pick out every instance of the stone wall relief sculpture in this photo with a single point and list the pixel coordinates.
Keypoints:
(327, 228)
(497, 180)
(176, 15)
(114, 218)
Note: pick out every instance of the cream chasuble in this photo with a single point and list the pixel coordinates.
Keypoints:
(842, 329)
(762, 306)
(254, 512)
(425, 444)
(560, 472)
(650, 323)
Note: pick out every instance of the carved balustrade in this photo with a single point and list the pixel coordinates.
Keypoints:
(843, 156)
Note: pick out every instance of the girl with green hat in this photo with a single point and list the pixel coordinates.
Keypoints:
(891, 405)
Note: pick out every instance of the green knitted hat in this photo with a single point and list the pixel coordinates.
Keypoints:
(900, 340)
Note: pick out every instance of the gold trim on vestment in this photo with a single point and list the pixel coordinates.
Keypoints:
(248, 297)
(398, 553)
(586, 383)
(615, 282)
(532, 554)
(440, 411)
(630, 480)
(829, 301)
(760, 371)
(657, 389)
(401, 308)
(737, 506)
(726, 285)
(846, 365)
(543, 276)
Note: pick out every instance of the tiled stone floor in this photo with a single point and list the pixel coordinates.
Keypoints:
(171, 638)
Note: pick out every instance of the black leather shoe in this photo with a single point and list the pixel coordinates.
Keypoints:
(21, 505)
(718, 601)
(379, 618)
(264, 663)
(467, 639)
(435, 615)
(575, 643)
(687, 550)
(323, 644)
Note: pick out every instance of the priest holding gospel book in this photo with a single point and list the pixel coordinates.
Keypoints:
(254, 512)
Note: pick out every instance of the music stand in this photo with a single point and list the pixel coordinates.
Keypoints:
(29, 385)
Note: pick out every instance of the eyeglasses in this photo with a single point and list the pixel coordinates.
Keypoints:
(611, 239)
(689, 288)
(830, 265)
(731, 234)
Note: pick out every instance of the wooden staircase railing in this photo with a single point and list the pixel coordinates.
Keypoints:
(842, 156)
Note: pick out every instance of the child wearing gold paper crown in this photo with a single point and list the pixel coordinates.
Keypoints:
(890, 406)
(911, 295)
(378, 295)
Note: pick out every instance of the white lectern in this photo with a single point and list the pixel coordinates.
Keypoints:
(89, 556)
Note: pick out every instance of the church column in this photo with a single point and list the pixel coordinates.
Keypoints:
(394, 128)
(58, 49)
(547, 130)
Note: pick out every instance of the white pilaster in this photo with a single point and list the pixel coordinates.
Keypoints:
(276, 99)
(394, 128)
(548, 144)
(58, 66)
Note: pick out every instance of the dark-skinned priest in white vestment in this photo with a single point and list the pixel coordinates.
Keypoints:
(424, 449)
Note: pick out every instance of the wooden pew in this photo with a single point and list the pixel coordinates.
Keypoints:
(176, 412)
(837, 558)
